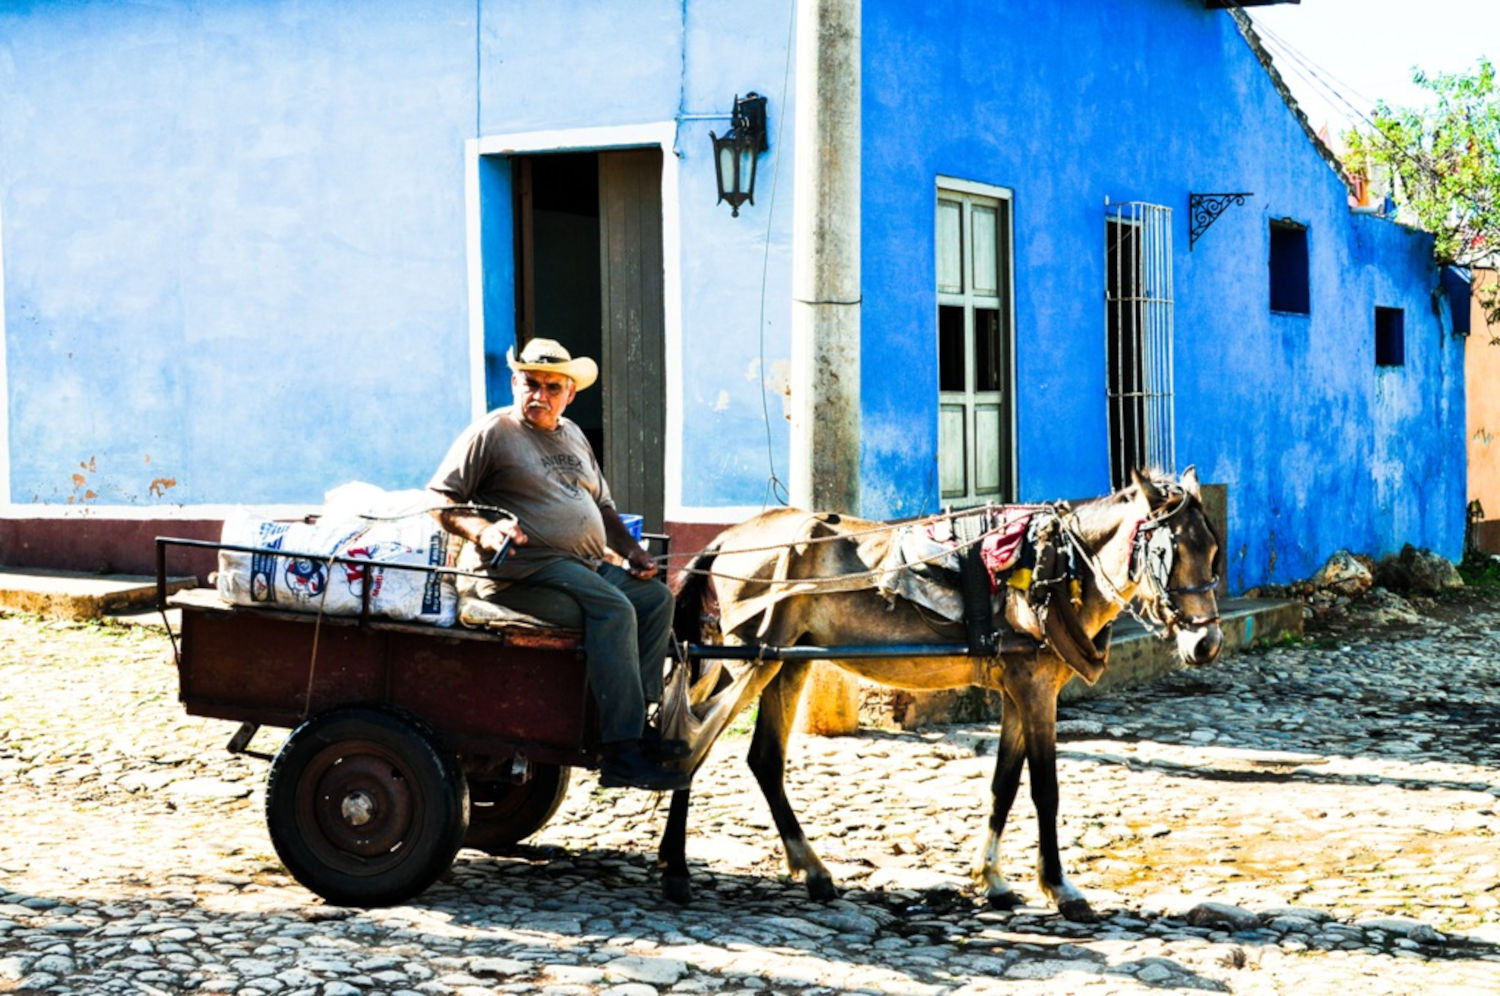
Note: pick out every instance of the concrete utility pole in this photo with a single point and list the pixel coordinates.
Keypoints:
(825, 259)
(826, 297)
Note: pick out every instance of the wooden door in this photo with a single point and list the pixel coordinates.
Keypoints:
(633, 361)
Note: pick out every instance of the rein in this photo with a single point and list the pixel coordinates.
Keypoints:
(1062, 557)
(879, 572)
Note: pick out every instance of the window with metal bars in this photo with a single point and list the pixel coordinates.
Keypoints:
(1138, 323)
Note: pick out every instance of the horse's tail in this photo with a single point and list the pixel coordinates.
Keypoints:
(692, 596)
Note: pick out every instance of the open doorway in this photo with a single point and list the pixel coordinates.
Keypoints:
(588, 272)
(557, 265)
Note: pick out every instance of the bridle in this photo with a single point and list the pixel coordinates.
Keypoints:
(1153, 552)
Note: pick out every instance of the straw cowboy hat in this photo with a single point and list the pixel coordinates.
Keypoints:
(549, 356)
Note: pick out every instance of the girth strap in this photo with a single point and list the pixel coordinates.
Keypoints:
(1051, 595)
(979, 616)
(1066, 638)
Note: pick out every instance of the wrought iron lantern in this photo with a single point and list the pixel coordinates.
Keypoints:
(736, 151)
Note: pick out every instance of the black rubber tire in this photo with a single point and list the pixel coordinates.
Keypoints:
(502, 814)
(364, 808)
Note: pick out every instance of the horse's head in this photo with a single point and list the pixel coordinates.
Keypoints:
(1174, 560)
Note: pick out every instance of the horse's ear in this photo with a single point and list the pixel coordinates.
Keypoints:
(1190, 482)
(1155, 497)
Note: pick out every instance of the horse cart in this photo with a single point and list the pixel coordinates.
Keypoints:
(408, 740)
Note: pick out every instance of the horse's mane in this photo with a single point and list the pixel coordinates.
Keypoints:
(691, 588)
(1088, 514)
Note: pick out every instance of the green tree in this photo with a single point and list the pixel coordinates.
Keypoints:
(1443, 165)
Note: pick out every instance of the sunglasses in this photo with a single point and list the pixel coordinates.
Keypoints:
(552, 389)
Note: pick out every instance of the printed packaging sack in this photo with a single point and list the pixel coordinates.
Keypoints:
(305, 581)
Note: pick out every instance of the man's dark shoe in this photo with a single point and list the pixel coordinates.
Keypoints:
(625, 765)
(658, 748)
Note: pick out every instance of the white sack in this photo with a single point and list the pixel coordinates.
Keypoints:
(308, 583)
(357, 498)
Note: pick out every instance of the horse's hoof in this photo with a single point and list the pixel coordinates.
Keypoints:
(677, 889)
(1006, 900)
(820, 888)
(1078, 910)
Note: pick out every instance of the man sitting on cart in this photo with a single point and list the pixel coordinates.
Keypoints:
(536, 465)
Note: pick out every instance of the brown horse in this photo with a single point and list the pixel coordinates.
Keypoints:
(786, 577)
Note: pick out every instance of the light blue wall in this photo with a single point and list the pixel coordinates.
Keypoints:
(235, 235)
(1148, 100)
(649, 61)
(736, 315)
(234, 253)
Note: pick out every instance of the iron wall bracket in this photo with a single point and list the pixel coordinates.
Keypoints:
(1204, 210)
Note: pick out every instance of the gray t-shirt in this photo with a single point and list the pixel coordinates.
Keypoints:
(548, 479)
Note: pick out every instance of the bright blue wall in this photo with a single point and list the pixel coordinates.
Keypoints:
(1149, 100)
(496, 242)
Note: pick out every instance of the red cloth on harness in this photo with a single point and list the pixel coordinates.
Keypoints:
(1001, 549)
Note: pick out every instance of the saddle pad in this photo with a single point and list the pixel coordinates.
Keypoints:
(482, 614)
(912, 569)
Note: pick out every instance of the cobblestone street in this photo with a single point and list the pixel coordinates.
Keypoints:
(1318, 817)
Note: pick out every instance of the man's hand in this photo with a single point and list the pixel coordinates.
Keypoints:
(641, 564)
(488, 537)
(493, 536)
(638, 563)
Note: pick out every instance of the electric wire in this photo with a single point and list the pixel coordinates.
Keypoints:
(1321, 79)
(1425, 164)
(776, 489)
(1316, 76)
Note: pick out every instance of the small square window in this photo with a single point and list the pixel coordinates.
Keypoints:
(1289, 283)
(1390, 337)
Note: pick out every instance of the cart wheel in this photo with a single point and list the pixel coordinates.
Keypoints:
(363, 808)
(502, 814)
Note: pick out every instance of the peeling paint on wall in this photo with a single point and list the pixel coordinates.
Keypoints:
(81, 490)
(780, 380)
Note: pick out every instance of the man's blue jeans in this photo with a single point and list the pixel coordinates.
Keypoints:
(626, 623)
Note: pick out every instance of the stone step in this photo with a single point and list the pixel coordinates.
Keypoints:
(77, 595)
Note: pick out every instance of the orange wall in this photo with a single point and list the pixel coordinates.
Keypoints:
(1482, 375)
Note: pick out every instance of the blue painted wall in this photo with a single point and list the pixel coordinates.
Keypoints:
(224, 280)
(234, 249)
(1148, 100)
(234, 233)
(737, 315)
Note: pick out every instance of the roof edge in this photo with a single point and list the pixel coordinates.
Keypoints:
(1252, 38)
